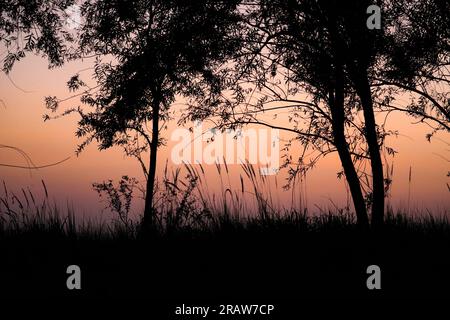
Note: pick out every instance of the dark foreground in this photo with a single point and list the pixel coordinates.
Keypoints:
(270, 263)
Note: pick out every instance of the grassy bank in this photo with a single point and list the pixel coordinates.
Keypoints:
(288, 256)
(200, 251)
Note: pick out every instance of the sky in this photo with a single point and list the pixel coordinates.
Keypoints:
(70, 183)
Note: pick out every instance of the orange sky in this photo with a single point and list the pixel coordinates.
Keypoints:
(21, 125)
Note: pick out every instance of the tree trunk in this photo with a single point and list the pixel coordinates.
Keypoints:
(336, 103)
(338, 116)
(149, 213)
(364, 93)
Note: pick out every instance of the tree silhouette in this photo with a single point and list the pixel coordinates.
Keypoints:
(415, 49)
(323, 48)
(393, 54)
(294, 43)
(406, 56)
(147, 53)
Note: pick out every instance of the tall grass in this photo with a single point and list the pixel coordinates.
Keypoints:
(184, 202)
(27, 213)
(186, 197)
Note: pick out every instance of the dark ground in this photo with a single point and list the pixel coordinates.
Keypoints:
(275, 265)
(294, 266)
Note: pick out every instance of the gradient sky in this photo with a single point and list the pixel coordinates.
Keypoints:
(22, 126)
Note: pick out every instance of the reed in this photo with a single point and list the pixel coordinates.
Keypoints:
(185, 204)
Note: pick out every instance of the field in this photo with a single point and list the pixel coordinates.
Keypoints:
(276, 257)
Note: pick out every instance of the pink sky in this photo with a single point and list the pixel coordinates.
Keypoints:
(22, 126)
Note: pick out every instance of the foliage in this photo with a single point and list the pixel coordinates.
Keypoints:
(36, 26)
